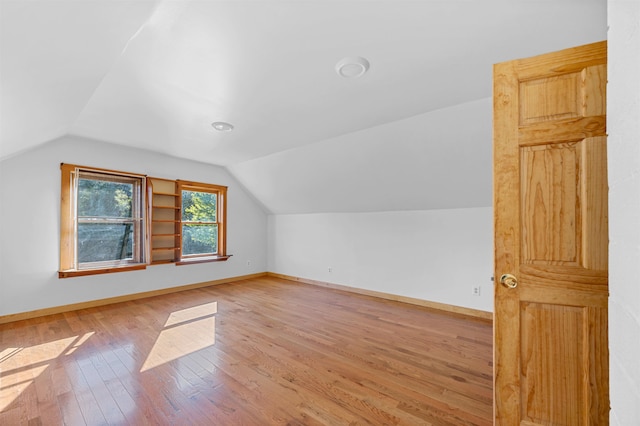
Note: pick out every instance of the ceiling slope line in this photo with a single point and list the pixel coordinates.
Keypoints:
(163, 9)
(229, 167)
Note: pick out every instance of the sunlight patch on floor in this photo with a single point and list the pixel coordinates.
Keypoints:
(193, 313)
(21, 366)
(186, 331)
(11, 387)
(79, 342)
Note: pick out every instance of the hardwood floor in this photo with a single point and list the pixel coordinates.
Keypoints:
(257, 352)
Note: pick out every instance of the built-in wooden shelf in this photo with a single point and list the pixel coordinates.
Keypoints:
(166, 207)
(161, 261)
(164, 225)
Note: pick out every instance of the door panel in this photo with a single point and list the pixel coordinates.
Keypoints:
(565, 96)
(553, 399)
(551, 233)
(549, 184)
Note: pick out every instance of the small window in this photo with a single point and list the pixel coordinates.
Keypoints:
(202, 221)
(102, 221)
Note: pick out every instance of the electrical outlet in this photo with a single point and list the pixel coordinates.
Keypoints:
(475, 290)
(248, 263)
(330, 269)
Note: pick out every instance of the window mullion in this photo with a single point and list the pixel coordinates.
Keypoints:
(74, 206)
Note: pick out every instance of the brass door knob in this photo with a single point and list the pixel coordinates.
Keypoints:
(509, 281)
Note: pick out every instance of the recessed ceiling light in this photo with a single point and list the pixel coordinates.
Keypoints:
(352, 67)
(221, 126)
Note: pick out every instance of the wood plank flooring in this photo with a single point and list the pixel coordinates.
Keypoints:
(258, 352)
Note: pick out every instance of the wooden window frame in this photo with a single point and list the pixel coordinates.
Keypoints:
(69, 221)
(221, 219)
(69, 266)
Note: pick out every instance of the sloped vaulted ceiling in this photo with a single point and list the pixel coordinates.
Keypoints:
(412, 133)
(53, 57)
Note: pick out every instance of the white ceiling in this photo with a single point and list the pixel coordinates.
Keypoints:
(156, 74)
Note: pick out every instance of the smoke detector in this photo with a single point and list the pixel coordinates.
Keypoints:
(352, 67)
(221, 126)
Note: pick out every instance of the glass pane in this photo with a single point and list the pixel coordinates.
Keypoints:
(199, 206)
(104, 198)
(98, 242)
(199, 239)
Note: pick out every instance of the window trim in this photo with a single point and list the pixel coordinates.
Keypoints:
(68, 220)
(68, 224)
(221, 220)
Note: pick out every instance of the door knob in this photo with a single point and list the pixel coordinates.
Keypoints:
(509, 281)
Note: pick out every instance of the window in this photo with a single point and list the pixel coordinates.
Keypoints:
(102, 221)
(202, 223)
(115, 221)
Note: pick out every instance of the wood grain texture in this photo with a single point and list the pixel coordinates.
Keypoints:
(549, 188)
(118, 299)
(551, 226)
(595, 205)
(264, 351)
(553, 399)
(163, 222)
(542, 99)
(506, 181)
(452, 309)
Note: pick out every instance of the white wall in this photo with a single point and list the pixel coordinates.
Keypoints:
(623, 126)
(30, 227)
(435, 255)
(425, 162)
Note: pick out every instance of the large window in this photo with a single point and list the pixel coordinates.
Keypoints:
(202, 221)
(115, 221)
(102, 221)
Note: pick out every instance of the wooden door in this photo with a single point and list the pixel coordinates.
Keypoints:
(551, 236)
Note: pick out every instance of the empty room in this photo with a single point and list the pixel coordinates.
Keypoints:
(318, 212)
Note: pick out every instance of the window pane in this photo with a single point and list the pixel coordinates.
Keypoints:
(98, 242)
(199, 239)
(199, 206)
(104, 198)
